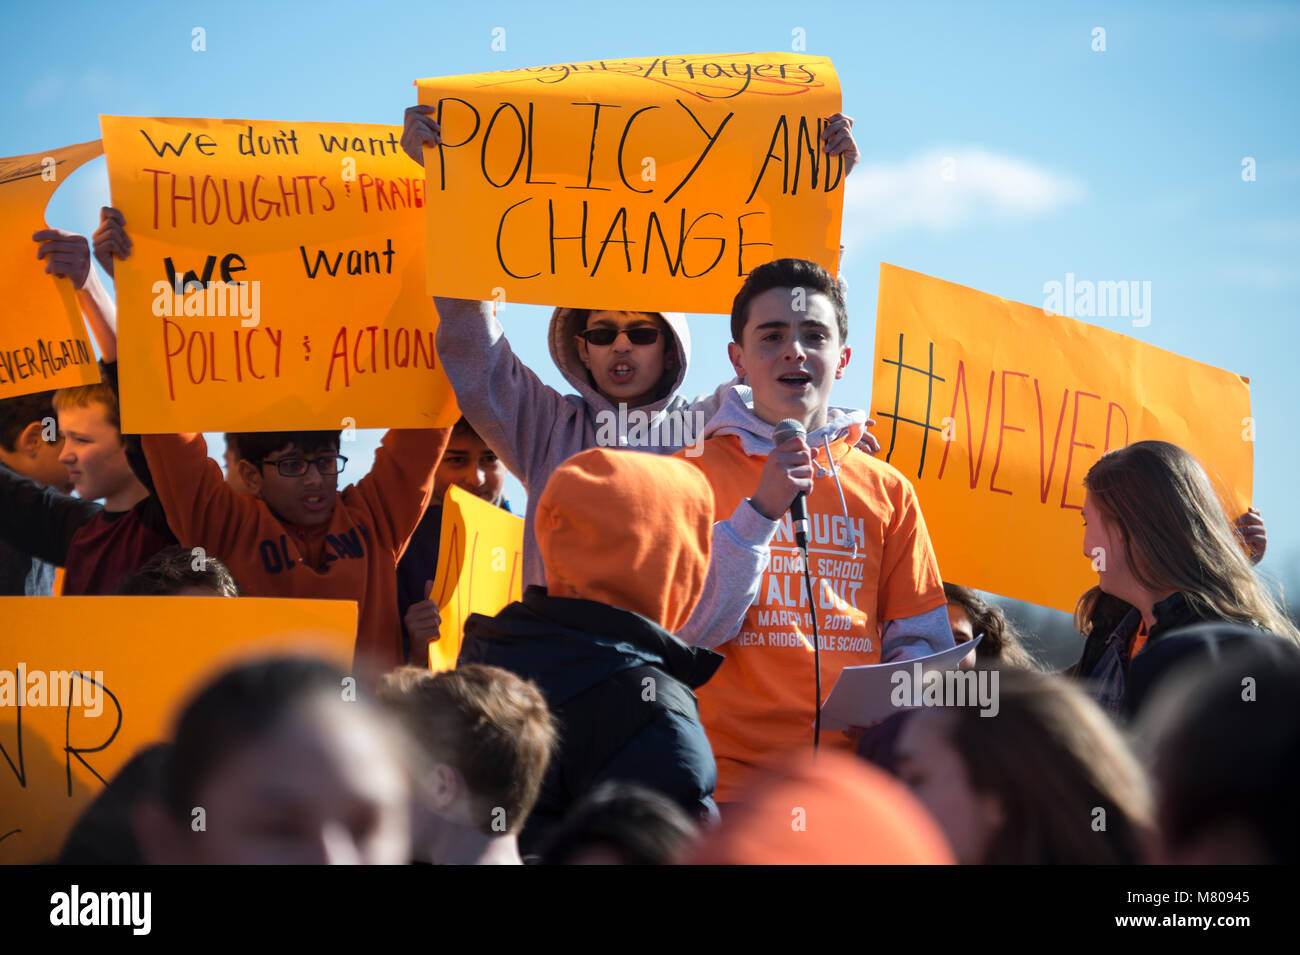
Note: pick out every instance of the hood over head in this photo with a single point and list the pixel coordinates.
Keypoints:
(855, 814)
(627, 529)
(567, 322)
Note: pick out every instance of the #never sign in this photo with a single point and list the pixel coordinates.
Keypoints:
(650, 184)
(996, 410)
(276, 280)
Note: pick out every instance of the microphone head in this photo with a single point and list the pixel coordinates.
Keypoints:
(786, 430)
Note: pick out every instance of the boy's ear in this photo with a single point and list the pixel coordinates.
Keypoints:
(251, 474)
(30, 439)
(737, 356)
(581, 344)
(445, 785)
(845, 352)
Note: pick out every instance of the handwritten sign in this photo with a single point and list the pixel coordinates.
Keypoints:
(996, 410)
(297, 250)
(43, 342)
(77, 702)
(480, 568)
(654, 184)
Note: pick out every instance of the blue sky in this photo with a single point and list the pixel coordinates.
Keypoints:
(1116, 165)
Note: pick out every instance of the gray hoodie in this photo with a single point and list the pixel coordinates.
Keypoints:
(740, 553)
(532, 427)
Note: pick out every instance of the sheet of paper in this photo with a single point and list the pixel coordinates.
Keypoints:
(861, 695)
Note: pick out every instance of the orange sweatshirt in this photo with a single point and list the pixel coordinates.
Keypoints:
(352, 557)
(883, 603)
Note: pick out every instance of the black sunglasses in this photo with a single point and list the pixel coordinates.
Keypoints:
(637, 335)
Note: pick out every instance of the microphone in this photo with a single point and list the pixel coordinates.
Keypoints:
(785, 430)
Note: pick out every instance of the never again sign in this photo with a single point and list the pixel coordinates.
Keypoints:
(43, 343)
(275, 281)
(653, 184)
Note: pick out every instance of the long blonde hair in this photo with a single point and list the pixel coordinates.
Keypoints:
(1177, 537)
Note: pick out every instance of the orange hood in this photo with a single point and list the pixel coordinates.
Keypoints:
(628, 529)
(834, 810)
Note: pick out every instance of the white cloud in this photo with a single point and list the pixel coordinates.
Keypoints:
(945, 190)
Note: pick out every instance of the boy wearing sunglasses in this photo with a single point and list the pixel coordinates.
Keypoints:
(296, 534)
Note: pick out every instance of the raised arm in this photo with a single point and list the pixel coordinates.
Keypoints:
(68, 256)
(201, 508)
(502, 399)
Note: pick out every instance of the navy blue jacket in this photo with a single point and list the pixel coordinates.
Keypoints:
(619, 686)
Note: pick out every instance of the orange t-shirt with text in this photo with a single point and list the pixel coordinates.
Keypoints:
(762, 699)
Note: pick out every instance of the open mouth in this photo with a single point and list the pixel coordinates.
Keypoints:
(796, 380)
(314, 502)
(621, 372)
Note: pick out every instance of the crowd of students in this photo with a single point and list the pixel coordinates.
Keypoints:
(651, 699)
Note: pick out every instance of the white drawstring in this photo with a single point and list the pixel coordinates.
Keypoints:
(844, 507)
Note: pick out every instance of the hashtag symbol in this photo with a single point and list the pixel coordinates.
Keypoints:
(895, 417)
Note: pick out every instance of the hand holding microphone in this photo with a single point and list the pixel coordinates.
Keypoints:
(788, 473)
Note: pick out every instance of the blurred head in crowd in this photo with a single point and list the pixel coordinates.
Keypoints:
(830, 809)
(104, 834)
(30, 443)
(621, 824)
(1222, 735)
(276, 762)
(970, 615)
(179, 572)
(483, 738)
(1048, 779)
(1154, 527)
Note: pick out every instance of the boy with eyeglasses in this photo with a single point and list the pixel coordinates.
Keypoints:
(296, 534)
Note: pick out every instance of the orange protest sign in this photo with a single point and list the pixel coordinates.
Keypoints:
(43, 341)
(297, 250)
(78, 701)
(654, 183)
(996, 410)
(480, 568)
